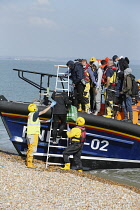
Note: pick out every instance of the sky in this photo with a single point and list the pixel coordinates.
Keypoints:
(70, 28)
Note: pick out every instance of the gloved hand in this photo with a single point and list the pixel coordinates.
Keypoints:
(53, 104)
(49, 120)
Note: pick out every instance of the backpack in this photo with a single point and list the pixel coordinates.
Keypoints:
(135, 88)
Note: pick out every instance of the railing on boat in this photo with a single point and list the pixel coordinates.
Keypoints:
(21, 75)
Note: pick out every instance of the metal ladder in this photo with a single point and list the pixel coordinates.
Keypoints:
(64, 82)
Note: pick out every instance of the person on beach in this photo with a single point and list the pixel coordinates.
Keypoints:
(78, 136)
(33, 131)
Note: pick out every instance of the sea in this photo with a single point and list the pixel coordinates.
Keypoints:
(15, 89)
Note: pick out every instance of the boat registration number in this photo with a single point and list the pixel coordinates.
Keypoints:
(100, 145)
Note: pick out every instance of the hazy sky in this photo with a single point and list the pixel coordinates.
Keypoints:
(70, 28)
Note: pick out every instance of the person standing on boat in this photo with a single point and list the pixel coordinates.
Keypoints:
(110, 88)
(77, 75)
(121, 62)
(98, 72)
(92, 84)
(59, 113)
(78, 136)
(86, 95)
(33, 131)
(138, 82)
(127, 95)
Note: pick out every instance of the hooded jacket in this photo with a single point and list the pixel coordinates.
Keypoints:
(76, 70)
(62, 103)
(123, 64)
(98, 77)
(127, 83)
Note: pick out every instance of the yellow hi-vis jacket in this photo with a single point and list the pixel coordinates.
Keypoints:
(74, 132)
(33, 127)
(113, 78)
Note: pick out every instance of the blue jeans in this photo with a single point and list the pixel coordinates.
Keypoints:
(128, 107)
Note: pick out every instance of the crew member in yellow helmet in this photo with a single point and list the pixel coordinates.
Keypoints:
(77, 136)
(138, 81)
(33, 131)
(91, 60)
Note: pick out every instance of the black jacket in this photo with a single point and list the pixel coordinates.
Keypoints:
(62, 102)
(77, 71)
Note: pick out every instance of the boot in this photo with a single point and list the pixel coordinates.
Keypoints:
(30, 165)
(29, 162)
(109, 112)
(67, 166)
(80, 170)
(107, 116)
(95, 113)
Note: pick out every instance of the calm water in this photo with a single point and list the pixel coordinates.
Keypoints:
(14, 88)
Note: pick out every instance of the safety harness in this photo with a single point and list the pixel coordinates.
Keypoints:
(82, 138)
(113, 77)
(86, 74)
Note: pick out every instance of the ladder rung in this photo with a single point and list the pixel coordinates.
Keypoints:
(58, 129)
(61, 89)
(58, 138)
(58, 155)
(51, 163)
(44, 94)
(55, 155)
(62, 81)
(57, 146)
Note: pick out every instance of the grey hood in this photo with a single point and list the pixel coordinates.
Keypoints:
(127, 71)
(96, 63)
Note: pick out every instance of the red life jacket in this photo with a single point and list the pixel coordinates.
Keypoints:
(83, 134)
(86, 74)
(104, 78)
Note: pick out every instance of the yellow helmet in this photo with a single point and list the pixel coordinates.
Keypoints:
(138, 81)
(80, 121)
(92, 59)
(32, 108)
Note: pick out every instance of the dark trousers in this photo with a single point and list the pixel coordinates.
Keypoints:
(92, 98)
(78, 96)
(56, 119)
(128, 107)
(74, 149)
(110, 93)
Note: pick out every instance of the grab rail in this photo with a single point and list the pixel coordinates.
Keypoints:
(37, 85)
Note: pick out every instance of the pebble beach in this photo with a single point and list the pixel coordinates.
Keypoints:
(55, 189)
